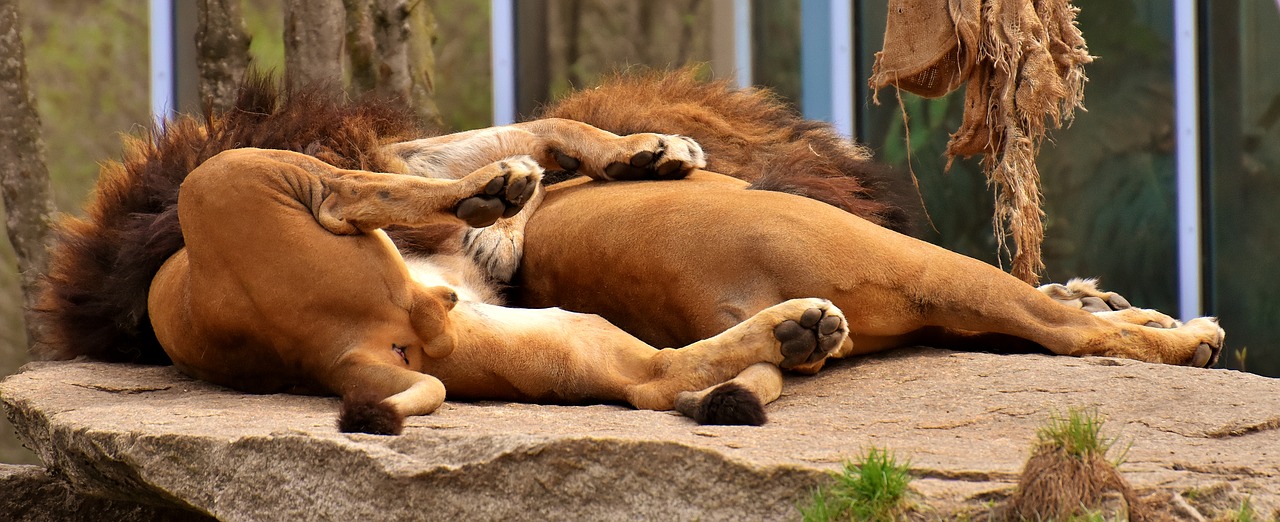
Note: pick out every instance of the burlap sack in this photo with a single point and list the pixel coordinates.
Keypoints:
(1022, 62)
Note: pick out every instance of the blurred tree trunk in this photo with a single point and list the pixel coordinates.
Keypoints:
(389, 43)
(222, 46)
(24, 178)
(313, 43)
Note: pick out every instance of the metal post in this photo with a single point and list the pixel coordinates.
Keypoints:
(1187, 117)
(826, 62)
(742, 42)
(162, 77)
(502, 25)
(842, 66)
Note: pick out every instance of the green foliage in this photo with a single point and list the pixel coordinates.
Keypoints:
(873, 490)
(1078, 434)
(1091, 516)
(1245, 513)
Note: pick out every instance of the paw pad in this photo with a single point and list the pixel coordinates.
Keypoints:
(810, 338)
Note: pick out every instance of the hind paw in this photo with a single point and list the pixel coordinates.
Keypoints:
(1085, 295)
(811, 330)
(1212, 338)
(511, 184)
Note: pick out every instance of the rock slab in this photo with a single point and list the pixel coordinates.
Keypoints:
(964, 421)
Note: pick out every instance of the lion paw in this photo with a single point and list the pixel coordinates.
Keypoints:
(510, 185)
(811, 330)
(1085, 295)
(641, 156)
(497, 249)
(1211, 338)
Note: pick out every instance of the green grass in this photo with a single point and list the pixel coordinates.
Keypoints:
(1079, 434)
(874, 489)
(1245, 513)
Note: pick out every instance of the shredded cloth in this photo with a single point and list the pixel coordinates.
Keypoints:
(1023, 64)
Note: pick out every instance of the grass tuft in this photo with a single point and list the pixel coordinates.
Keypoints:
(874, 489)
(1069, 475)
(1078, 434)
(1245, 513)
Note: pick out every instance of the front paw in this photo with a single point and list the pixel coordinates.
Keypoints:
(661, 156)
(812, 330)
(512, 185)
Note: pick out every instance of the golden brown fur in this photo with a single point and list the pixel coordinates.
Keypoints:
(268, 270)
(279, 276)
(747, 134)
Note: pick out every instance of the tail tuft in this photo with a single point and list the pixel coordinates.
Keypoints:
(730, 404)
(368, 414)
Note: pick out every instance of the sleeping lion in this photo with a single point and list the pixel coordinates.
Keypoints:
(294, 244)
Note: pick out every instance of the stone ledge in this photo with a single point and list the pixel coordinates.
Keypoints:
(31, 494)
(965, 422)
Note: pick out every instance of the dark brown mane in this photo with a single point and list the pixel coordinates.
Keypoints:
(94, 299)
(748, 134)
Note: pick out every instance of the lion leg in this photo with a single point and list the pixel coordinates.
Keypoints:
(583, 358)
(364, 201)
(556, 144)
(1029, 314)
(497, 249)
(263, 298)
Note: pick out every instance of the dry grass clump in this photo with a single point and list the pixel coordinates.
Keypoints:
(1070, 476)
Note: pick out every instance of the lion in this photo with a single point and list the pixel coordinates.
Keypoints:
(251, 252)
(353, 279)
(674, 261)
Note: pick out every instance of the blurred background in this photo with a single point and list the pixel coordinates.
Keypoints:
(1109, 179)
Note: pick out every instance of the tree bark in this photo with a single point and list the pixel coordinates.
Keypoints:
(362, 49)
(422, 34)
(24, 178)
(314, 31)
(389, 43)
(222, 46)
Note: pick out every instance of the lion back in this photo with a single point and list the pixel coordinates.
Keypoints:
(94, 298)
(748, 134)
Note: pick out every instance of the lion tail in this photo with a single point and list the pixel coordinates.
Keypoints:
(749, 134)
(93, 300)
(729, 404)
(365, 413)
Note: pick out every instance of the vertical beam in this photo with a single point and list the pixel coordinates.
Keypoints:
(842, 115)
(162, 77)
(815, 57)
(742, 42)
(1187, 117)
(731, 40)
(826, 62)
(531, 56)
(186, 72)
(502, 38)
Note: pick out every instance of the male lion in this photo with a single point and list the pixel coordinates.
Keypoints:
(675, 261)
(296, 288)
(268, 270)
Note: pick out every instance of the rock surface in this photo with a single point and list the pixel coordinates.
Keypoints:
(965, 422)
(30, 494)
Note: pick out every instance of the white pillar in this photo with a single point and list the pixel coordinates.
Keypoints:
(502, 37)
(1187, 117)
(162, 74)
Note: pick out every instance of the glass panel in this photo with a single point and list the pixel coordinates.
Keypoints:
(1243, 154)
(1108, 179)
